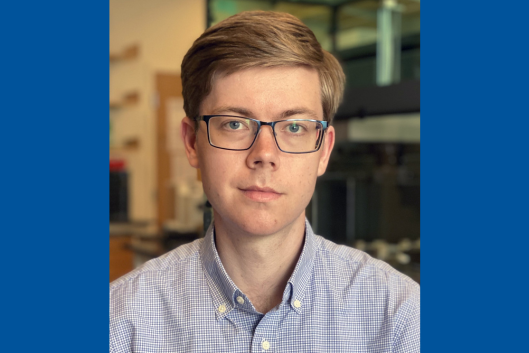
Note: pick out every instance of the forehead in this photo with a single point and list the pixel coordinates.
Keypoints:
(266, 92)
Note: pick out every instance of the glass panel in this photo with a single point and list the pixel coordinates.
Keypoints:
(383, 31)
(220, 10)
(402, 128)
(316, 17)
(411, 17)
(351, 30)
(323, 2)
(357, 24)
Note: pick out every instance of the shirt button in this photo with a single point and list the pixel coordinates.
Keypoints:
(297, 303)
(265, 345)
(222, 308)
(240, 300)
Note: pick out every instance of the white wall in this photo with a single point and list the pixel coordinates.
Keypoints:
(164, 31)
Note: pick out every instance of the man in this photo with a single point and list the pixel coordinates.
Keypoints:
(260, 94)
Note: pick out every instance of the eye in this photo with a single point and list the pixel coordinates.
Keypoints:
(293, 128)
(234, 125)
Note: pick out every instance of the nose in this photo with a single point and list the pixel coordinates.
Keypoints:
(264, 152)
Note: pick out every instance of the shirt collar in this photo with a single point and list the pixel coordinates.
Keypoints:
(221, 286)
(224, 291)
(299, 281)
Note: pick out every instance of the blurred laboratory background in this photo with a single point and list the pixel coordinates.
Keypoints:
(370, 196)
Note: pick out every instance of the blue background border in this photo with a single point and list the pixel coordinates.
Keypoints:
(54, 178)
(474, 177)
(54, 139)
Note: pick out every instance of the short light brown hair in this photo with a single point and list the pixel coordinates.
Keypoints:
(258, 39)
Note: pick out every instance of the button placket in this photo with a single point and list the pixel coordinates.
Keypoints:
(267, 330)
(265, 344)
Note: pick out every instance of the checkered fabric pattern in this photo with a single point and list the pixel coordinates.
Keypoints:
(337, 300)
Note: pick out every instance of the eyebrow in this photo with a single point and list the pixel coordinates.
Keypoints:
(284, 115)
(299, 111)
(238, 110)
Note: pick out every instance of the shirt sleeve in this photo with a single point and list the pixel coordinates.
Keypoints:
(120, 329)
(408, 330)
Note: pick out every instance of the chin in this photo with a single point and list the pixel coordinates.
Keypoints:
(264, 223)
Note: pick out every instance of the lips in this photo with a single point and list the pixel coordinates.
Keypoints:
(261, 194)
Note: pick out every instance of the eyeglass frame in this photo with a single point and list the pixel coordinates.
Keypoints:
(272, 124)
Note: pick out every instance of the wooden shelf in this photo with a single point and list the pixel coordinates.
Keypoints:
(129, 53)
(128, 99)
(132, 144)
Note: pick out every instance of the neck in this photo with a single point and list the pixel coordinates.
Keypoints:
(260, 265)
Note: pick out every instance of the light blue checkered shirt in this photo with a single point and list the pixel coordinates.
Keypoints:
(337, 300)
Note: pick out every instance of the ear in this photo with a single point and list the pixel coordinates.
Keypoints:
(326, 149)
(189, 138)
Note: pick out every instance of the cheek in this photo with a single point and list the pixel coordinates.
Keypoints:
(303, 180)
(217, 170)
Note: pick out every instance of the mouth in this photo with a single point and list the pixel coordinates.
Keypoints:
(259, 194)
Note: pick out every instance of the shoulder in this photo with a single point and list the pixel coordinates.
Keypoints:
(162, 269)
(383, 303)
(355, 275)
(147, 297)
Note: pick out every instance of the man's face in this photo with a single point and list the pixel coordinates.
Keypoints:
(234, 180)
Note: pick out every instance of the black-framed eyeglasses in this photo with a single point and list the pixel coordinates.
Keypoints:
(237, 133)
